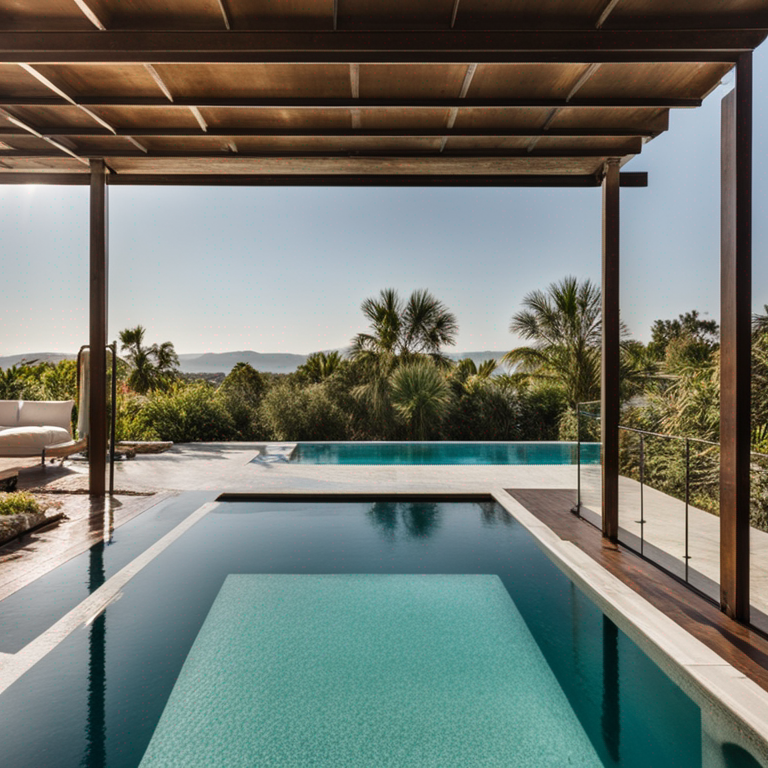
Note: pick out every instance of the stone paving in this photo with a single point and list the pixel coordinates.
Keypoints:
(231, 467)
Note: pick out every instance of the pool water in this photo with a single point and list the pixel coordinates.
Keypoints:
(98, 698)
(445, 453)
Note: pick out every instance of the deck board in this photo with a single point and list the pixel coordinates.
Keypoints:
(743, 647)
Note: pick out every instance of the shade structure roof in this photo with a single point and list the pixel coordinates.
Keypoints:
(195, 90)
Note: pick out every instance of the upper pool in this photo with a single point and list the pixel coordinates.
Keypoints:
(445, 453)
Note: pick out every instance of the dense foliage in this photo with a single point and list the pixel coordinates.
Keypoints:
(397, 383)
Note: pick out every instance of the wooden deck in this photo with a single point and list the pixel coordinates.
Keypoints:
(743, 647)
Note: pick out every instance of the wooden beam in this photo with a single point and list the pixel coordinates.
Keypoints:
(595, 131)
(225, 15)
(383, 46)
(636, 179)
(454, 12)
(634, 148)
(200, 119)
(155, 75)
(354, 87)
(34, 132)
(735, 343)
(453, 112)
(611, 329)
(606, 12)
(97, 395)
(91, 15)
(320, 103)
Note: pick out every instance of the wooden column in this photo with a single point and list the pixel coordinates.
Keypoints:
(609, 378)
(97, 403)
(736, 341)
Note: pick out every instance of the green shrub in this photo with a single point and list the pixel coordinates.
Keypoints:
(291, 412)
(18, 503)
(185, 414)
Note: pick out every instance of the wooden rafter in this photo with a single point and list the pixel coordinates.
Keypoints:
(354, 85)
(225, 15)
(200, 119)
(588, 72)
(454, 12)
(27, 128)
(91, 15)
(453, 113)
(606, 12)
(155, 75)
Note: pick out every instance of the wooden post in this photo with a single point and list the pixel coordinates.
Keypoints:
(736, 340)
(97, 403)
(609, 377)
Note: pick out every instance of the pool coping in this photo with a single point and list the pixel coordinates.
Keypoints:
(705, 676)
(712, 682)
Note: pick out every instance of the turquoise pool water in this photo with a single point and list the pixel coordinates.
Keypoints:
(400, 669)
(105, 693)
(445, 453)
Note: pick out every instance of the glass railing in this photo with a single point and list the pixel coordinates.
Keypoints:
(669, 500)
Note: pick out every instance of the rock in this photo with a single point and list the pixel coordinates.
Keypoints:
(13, 525)
(145, 446)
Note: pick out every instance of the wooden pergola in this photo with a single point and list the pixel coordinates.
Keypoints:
(494, 93)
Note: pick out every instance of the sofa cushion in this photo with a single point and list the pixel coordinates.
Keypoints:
(43, 413)
(9, 412)
(30, 441)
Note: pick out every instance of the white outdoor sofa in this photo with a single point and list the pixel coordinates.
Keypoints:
(37, 428)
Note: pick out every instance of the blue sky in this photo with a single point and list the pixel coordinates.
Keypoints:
(285, 269)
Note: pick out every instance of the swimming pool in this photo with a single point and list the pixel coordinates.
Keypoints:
(445, 453)
(110, 688)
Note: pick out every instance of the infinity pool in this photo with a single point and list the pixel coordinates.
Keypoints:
(445, 453)
(410, 633)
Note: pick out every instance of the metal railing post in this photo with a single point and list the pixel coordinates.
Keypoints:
(642, 482)
(578, 458)
(687, 498)
(113, 347)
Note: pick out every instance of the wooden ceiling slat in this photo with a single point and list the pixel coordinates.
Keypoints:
(270, 88)
(678, 80)
(281, 14)
(255, 80)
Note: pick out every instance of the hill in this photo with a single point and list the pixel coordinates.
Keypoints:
(223, 362)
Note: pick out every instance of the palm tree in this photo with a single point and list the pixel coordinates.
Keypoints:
(151, 367)
(401, 332)
(760, 322)
(420, 326)
(420, 396)
(564, 324)
(320, 365)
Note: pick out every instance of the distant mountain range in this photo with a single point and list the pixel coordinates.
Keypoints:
(223, 362)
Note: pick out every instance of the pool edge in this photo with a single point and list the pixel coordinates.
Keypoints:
(704, 675)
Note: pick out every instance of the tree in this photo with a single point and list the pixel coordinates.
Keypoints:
(401, 332)
(320, 365)
(703, 335)
(151, 367)
(564, 324)
(421, 396)
(421, 326)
